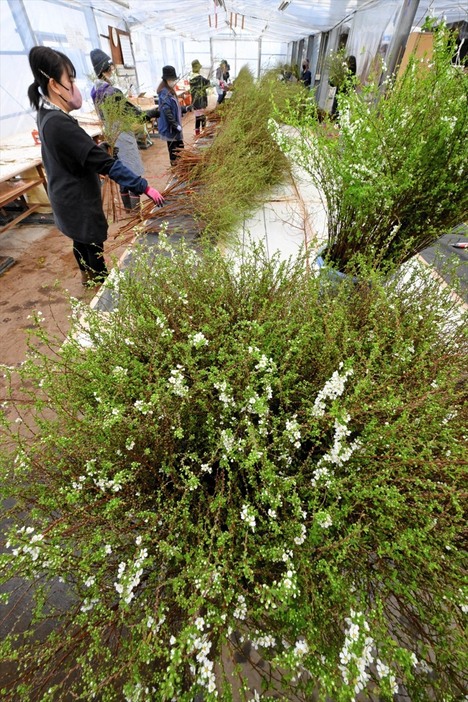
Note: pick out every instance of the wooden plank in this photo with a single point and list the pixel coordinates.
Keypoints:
(12, 190)
(19, 217)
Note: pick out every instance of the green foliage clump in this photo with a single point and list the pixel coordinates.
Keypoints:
(244, 162)
(337, 68)
(394, 177)
(239, 452)
(118, 117)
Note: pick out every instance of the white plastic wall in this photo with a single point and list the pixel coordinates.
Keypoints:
(72, 29)
(371, 32)
(75, 29)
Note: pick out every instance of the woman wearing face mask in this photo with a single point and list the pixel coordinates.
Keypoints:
(73, 162)
(170, 113)
(126, 142)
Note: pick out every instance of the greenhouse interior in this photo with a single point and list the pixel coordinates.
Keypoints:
(234, 293)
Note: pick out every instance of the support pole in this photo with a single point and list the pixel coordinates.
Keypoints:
(400, 36)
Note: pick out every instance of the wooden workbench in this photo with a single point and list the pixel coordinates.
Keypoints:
(22, 175)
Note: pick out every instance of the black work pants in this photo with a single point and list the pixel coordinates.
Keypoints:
(174, 147)
(90, 257)
(200, 121)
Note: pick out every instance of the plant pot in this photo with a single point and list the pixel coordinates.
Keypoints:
(332, 273)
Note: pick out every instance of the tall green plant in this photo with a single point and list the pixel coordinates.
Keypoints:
(337, 68)
(244, 162)
(395, 178)
(239, 452)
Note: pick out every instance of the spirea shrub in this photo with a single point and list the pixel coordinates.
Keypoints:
(393, 172)
(239, 452)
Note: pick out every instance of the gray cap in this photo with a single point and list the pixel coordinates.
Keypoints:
(101, 61)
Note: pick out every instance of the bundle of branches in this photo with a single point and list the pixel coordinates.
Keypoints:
(221, 184)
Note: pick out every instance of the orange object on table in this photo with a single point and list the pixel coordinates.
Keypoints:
(183, 93)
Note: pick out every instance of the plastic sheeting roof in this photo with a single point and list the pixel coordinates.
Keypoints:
(254, 19)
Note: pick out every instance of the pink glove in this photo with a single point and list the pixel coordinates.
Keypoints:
(155, 196)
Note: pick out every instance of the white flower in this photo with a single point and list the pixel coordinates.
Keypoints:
(203, 651)
(292, 429)
(143, 407)
(248, 517)
(301, 648)
(228, 440)
(224, 396)
(382, 669)
(324, 520)
(266, 641)
(199, 623)
(206, 666)
(332, 389)
(240, 611)
(198, 340)
(88, 604)
(300, 539)
(177, 382)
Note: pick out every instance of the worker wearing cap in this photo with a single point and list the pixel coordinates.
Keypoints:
(126, 143)
(170, 113)
(222, 80)
(198, 87)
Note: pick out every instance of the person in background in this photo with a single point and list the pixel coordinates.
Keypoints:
(128, 151)
(198, 87)
(343, 88)
(73, 162)
(306, 75)
(170, 113)
(222, 80)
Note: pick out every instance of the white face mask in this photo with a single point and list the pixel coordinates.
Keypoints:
(171, 83)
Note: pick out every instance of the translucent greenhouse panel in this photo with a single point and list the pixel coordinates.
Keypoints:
(17, 115)
(224, 49)
(371, 32)
(11, 36)
(15, 77)
(237, 54)
(199, 50)
(247, 54)
(143, 53)
(272, 54)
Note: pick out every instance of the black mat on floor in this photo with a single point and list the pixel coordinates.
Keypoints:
(443, 249)
(5, 263)
(8, 214)
(178, 228)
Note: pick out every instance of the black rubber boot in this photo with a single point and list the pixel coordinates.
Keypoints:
(126, 201)
(134, 202)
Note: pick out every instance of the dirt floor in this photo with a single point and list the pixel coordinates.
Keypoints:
(45, 272)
